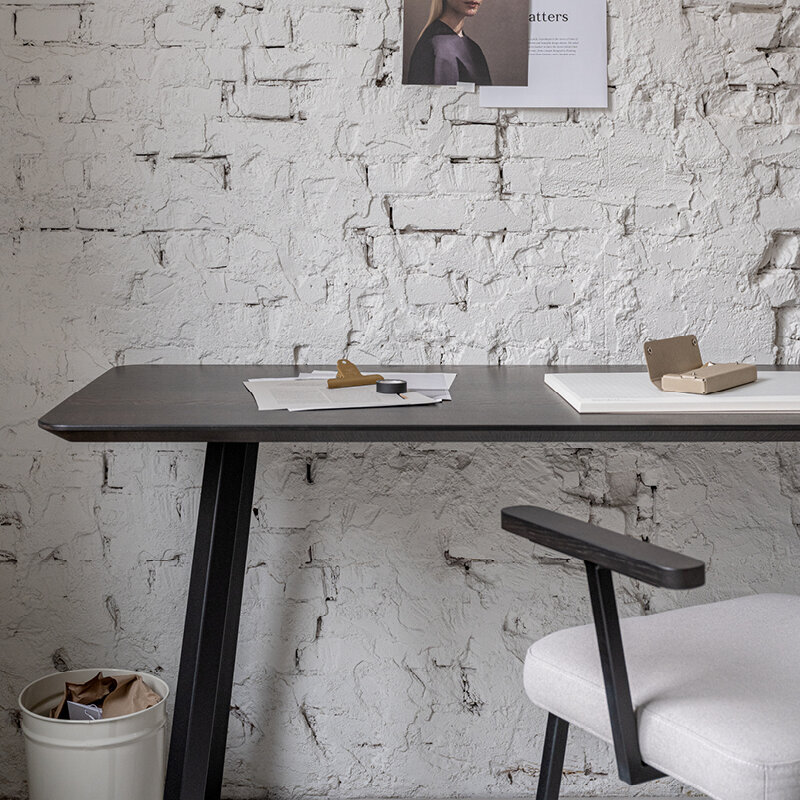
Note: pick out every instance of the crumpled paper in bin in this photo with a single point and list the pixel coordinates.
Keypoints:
(117, 696)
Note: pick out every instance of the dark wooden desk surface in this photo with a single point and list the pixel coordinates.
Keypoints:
(194, 403)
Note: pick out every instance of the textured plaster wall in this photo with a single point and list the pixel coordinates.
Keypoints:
(248, 182)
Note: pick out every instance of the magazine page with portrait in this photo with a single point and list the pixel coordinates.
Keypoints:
(484, 42)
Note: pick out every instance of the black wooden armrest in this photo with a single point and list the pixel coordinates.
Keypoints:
(615, 551)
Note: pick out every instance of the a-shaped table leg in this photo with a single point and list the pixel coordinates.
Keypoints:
(202, 703)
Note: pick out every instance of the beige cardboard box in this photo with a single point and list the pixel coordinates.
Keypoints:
(675, 365)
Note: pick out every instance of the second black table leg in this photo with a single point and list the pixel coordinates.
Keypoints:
(205, 680)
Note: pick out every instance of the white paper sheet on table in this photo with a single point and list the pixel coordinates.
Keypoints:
(296, 394)
(435, 385)
(632, 392)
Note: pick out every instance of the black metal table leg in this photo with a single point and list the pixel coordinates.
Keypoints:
(202, 703)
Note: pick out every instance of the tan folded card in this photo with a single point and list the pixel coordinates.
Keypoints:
(675, 365)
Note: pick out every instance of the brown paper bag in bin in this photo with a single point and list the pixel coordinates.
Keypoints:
(125, 694)
(131, 695)
(90, 693)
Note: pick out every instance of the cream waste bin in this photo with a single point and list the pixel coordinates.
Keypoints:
(122, 758)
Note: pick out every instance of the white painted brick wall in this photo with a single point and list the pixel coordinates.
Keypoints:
(47, 24)
(172, 30)
(472, 141)
(249, 182)
(326, 28)
(261, 102)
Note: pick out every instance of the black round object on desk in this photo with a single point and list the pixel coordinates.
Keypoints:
(391, 386)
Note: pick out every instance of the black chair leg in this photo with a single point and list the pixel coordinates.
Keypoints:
(555, 743)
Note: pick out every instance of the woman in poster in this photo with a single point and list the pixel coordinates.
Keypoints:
(444, 54)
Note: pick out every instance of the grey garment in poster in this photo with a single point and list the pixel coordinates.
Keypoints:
(484, 42)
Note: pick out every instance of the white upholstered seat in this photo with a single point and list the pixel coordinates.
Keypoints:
(716, 690)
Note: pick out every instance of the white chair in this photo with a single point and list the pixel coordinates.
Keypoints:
(709, 695)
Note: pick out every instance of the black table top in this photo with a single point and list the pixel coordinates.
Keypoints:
(197, 403)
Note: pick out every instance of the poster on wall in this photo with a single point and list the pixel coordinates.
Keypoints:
(484, 42)
(567, 67)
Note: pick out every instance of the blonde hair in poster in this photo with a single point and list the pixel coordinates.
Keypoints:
(437, 7)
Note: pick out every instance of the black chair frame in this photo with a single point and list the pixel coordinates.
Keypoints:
(603, 552)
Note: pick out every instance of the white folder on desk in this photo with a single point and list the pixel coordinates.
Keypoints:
(633, 393)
